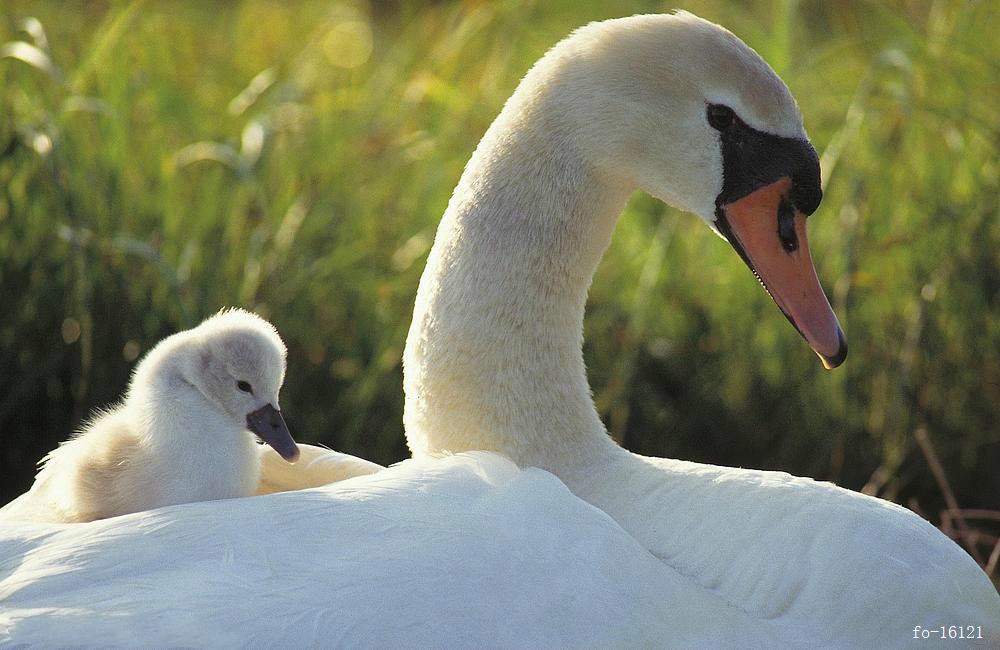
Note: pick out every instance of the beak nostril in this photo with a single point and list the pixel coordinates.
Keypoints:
(786, 226)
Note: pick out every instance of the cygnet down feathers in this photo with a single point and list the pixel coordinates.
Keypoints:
(180, 434)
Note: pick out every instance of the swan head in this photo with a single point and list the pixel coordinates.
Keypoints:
(684, 110)
(240, 367)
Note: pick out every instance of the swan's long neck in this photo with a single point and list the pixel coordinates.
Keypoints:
(494, 355)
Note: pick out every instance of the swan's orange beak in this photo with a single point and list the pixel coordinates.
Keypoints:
(770, 235)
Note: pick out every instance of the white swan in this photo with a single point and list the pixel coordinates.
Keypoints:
(179, 435)
(681, 108)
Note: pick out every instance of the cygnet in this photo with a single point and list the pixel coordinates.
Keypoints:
(181, 432)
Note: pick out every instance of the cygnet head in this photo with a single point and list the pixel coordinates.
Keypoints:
(240, 367)
(684, 110)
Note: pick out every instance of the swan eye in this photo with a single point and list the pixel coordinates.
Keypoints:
(244, 386)
(720, 117)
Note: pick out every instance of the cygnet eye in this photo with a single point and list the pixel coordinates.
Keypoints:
(244, 386)
(720, 117)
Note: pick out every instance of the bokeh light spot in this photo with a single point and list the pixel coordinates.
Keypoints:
(348, 44)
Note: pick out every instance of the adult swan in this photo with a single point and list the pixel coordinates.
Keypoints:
(681, 108)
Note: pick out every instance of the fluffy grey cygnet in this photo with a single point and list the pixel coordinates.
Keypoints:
(181, 433)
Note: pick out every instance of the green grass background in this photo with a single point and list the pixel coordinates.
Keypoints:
(161, 160)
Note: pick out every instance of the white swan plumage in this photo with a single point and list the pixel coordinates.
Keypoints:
(179, 435)
(316, 466)
(461, 552)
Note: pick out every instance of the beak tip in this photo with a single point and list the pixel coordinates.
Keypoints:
(294, 456)
(832, 362)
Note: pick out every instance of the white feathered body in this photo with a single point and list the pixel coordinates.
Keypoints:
(829, 567)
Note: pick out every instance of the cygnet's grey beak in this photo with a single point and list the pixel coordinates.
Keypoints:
(268, 424)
